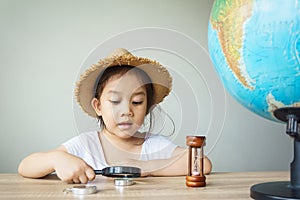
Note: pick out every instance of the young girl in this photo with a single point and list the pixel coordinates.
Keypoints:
(119, 91)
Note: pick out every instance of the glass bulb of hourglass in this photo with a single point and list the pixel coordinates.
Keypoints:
(196, 162)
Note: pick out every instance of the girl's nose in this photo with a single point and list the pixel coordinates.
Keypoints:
(126, 111)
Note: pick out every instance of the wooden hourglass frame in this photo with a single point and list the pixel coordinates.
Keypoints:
(195, 176)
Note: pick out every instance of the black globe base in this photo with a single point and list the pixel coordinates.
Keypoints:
(284, 189)
(274, 190)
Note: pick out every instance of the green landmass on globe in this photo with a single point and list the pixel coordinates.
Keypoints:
(255, 48)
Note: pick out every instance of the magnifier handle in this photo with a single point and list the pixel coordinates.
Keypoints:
(98, 172)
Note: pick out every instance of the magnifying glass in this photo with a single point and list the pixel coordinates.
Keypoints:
(123, 174)
(120, 172)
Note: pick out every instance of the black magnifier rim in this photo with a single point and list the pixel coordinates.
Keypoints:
(120, 172)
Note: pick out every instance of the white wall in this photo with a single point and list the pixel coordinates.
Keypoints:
(43, 44)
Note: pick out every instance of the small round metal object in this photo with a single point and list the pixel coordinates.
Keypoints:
(124, 182)
(82, 190)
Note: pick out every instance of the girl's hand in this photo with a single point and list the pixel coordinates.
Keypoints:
(72, 169)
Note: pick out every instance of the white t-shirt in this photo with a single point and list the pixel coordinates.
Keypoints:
(88, 147)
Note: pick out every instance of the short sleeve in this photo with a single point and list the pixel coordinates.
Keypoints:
(87, 146)
(74, 146)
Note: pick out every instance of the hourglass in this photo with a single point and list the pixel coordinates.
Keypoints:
(195, 177)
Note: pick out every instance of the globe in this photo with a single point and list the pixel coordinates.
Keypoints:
(254, 46)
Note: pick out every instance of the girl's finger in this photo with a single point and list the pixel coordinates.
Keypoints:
(90, 174)
(76, 180)
(83, 179)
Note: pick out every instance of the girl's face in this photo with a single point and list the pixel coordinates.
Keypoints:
(122, 105)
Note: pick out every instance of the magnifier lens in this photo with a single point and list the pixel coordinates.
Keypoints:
(120, 172)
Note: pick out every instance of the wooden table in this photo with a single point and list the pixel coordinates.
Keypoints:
(219, 186)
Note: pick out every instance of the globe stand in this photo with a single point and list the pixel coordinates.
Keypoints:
(284, 189)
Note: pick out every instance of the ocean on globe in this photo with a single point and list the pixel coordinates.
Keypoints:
(255, 48)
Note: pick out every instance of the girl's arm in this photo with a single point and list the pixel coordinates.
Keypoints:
(175, 166)
(69, 168)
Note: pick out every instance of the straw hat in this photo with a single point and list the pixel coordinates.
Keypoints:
(85, 87)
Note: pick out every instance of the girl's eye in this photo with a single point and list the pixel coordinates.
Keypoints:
(114, 102)
(137, 102)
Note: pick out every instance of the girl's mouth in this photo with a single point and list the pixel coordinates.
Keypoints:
(125, 125)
